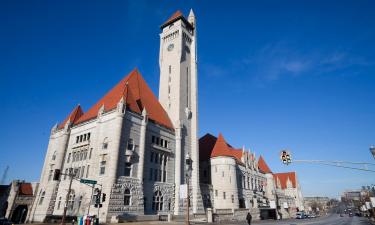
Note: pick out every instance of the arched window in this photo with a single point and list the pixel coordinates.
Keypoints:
(59, 203)
(157, 201)
(71, 201)
(127, 197)
(42, 197)
(105, 143)
(54, 155)
(80, 202)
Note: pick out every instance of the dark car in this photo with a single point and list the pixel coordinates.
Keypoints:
(4, 221)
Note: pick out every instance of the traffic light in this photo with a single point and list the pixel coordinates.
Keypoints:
(285, 157)
(104, 195)
(97, 195)
(56, 174)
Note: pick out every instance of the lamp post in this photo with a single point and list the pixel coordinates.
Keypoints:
(372, 150)
(188, 169)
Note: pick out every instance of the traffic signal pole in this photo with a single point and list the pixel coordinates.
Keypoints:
(92, 191)
(71, 176)
(286, 158)
(339, 164)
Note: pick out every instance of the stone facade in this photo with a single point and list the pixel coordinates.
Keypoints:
(132, 145)
(135, 147)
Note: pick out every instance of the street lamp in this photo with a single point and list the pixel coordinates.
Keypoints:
(188, 169)
(372, 150)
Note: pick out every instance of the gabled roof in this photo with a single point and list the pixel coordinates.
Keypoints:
(72, 117)
(262, 165)
(25, 189)
(175, 16)
(283, 177)
(211, 146)
(137, 95)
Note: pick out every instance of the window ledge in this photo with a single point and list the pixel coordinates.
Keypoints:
(160, 148)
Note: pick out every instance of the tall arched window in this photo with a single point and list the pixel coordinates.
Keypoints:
(54, 155)
(127, 197)
(42, 197)
(157, 201)
(105, 143)
(59, 203)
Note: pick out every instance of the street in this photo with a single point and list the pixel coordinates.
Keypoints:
(333, 219)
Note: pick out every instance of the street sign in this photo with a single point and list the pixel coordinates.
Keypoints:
(183, 191)
(86, 181)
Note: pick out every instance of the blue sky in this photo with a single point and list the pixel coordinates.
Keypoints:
(272, 75)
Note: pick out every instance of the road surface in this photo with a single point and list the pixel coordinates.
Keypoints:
(333, 219)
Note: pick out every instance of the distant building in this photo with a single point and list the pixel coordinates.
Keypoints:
(316, 204)
(16, 200)
(288, 187)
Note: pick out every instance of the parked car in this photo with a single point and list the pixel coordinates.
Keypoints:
(4, 221)
(300, 215)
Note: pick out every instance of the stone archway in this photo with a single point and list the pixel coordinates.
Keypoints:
(19, 214)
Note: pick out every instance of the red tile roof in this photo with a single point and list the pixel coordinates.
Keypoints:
(283, 177)
(210, 146)
(262, 165)
(206, 145)
(72, 117)
(137, 94)
(25, 189)
(175, 16)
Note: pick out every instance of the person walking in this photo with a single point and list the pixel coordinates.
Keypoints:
(248, 218)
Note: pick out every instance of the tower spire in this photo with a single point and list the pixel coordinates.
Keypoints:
(191, 18)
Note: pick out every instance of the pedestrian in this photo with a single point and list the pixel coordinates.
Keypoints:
(248, 218)
(73, 222)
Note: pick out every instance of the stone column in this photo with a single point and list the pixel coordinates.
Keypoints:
(177, 178)
(142, 145)
(116, 144)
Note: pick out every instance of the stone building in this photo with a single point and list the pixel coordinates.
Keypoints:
(130, 142)
(289, 193)
(316, 204)
(232, 178)
(16, 200)
(134, 145)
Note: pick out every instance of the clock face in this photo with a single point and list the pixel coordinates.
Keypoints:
(170, 47)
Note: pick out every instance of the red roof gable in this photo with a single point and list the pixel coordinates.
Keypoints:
(134, 89)
(73, 116)
(262, 165)
(283, 177)
(206, 145)
(174, 17)
(221, 148)
(25, 189)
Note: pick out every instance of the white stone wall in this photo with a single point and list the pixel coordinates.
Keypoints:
(224, 180)
(178, 94)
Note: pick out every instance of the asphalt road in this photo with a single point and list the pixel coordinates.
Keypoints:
(333, 219)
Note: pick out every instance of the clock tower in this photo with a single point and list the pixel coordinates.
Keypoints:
(178, 94)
